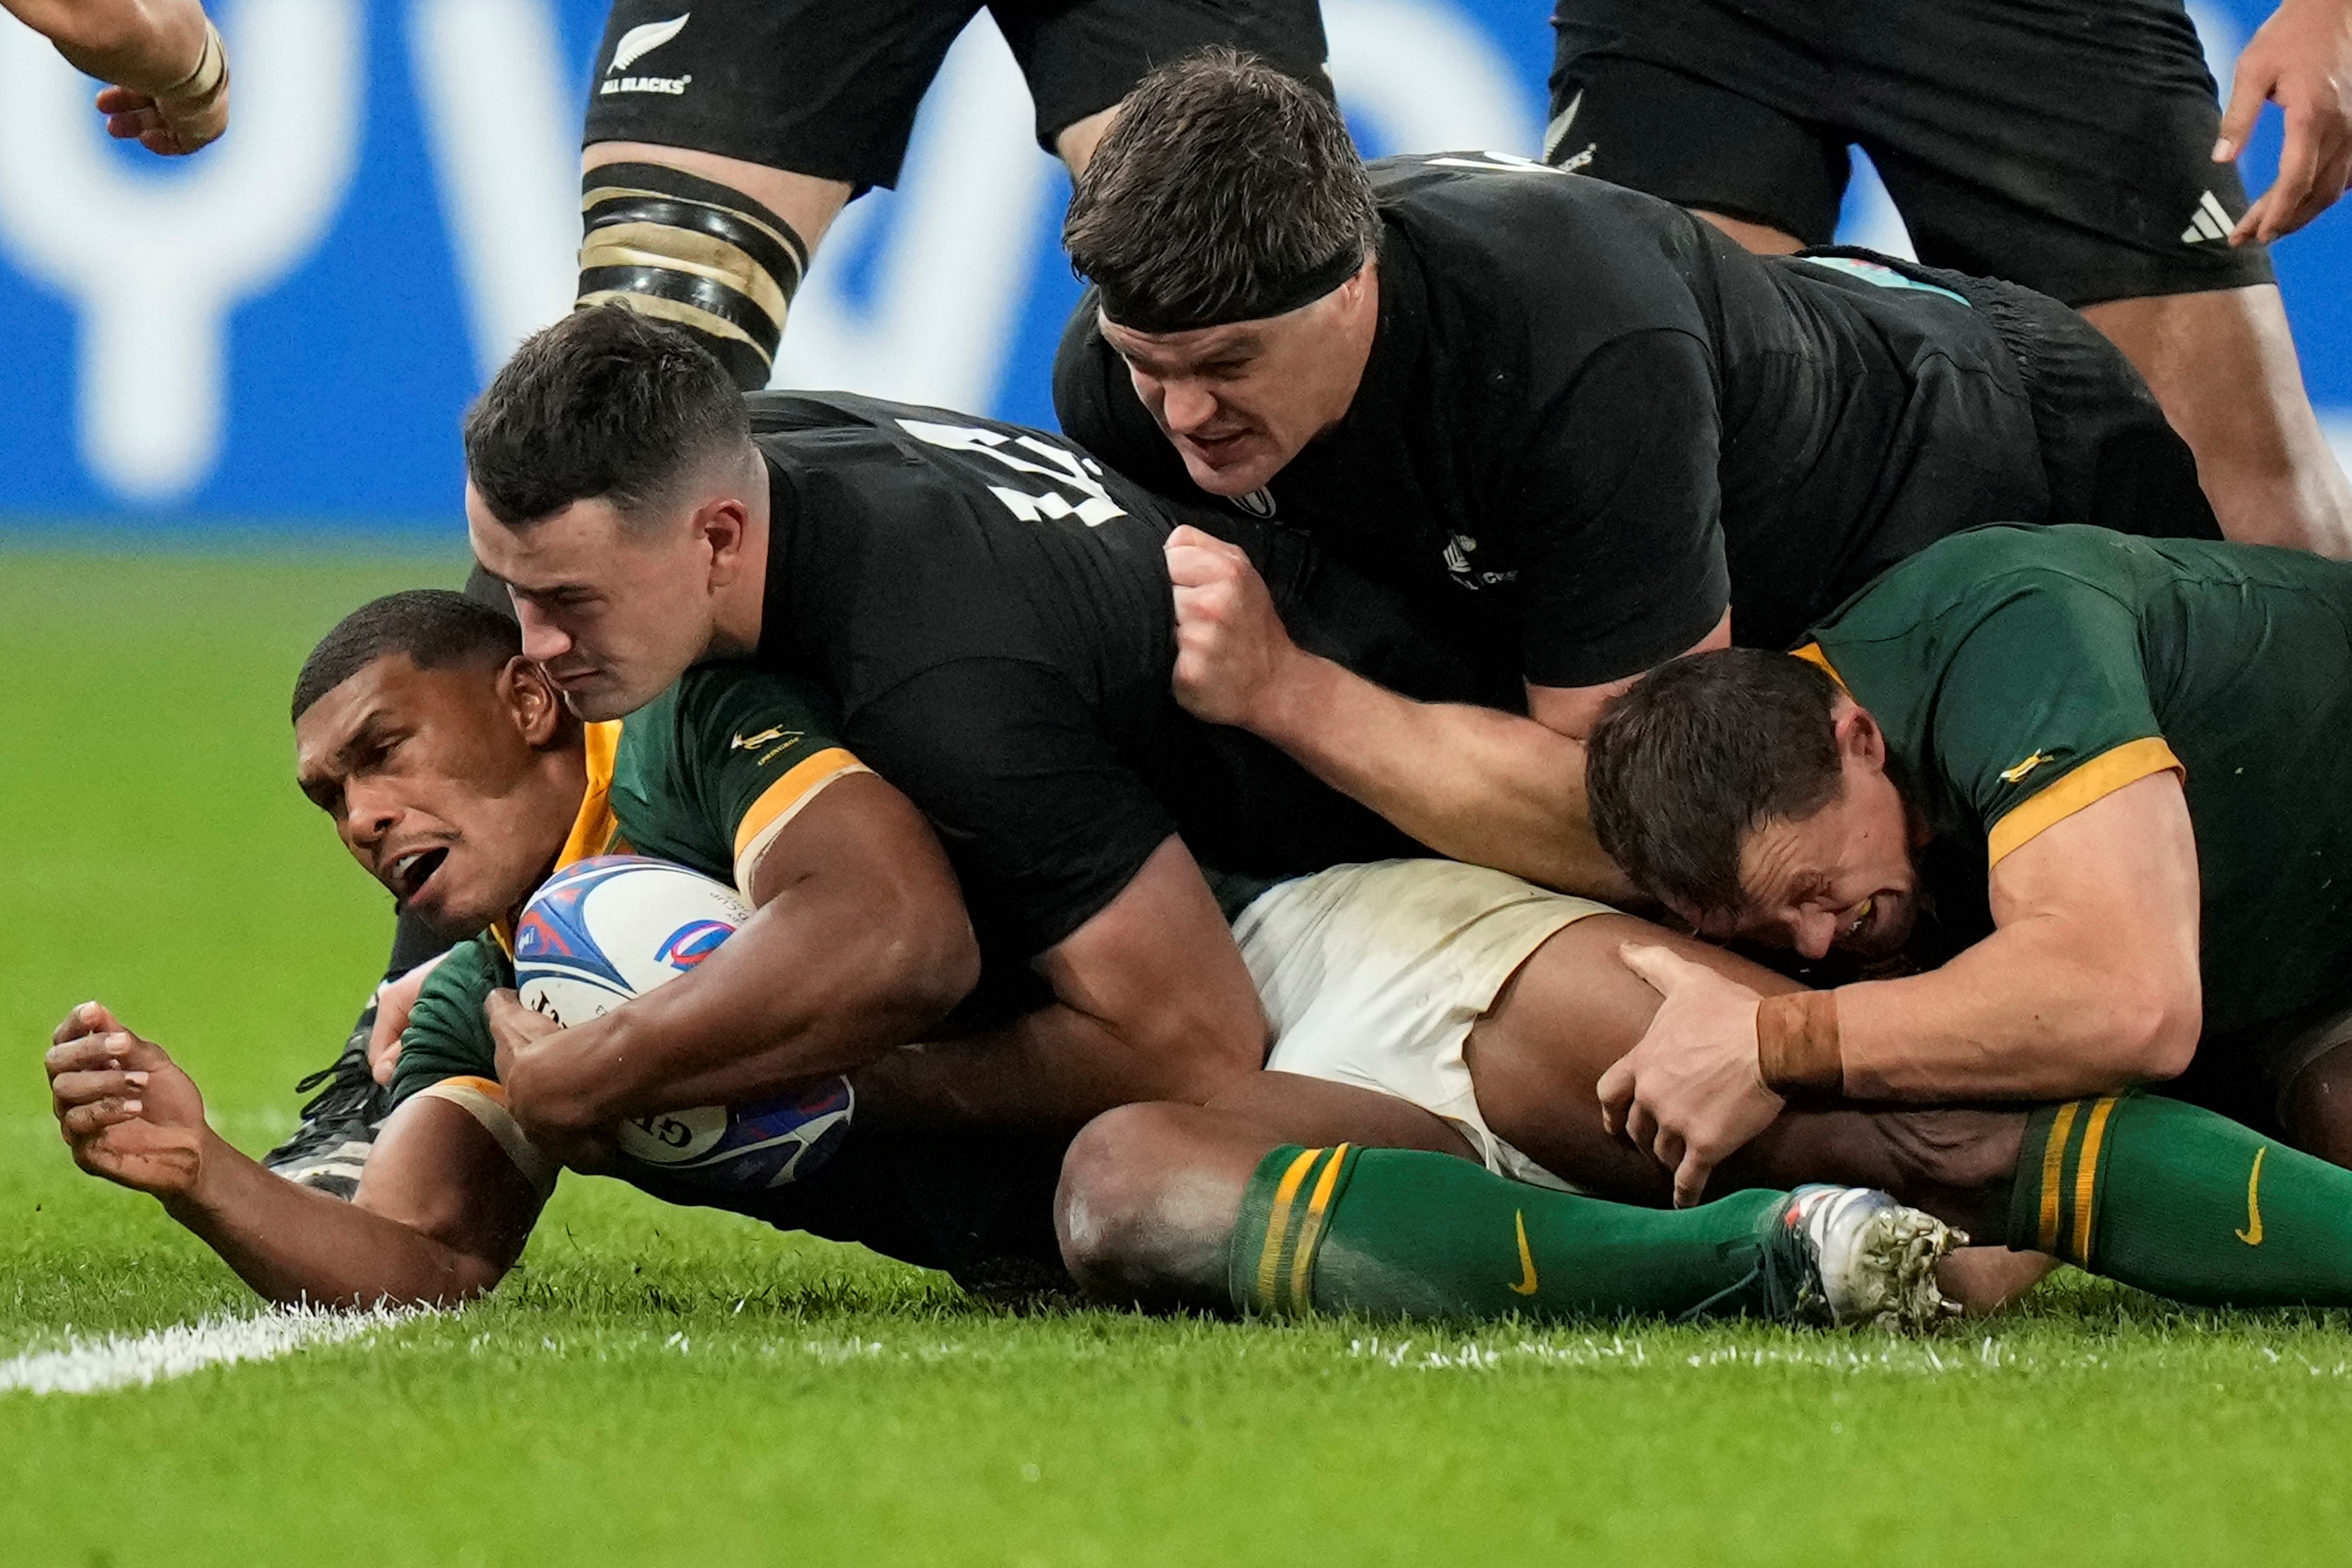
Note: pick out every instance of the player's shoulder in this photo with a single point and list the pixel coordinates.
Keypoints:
(1514, 250)
(719, 706)
(1946, 591)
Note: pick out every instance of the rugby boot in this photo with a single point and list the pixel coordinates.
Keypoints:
(1866, 1258)
(331, 1147)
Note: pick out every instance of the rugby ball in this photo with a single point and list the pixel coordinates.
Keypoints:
(604, 930)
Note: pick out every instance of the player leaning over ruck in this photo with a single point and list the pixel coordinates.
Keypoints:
(2114, 773)
(454, 774)
(1583, 420)
(721, 141)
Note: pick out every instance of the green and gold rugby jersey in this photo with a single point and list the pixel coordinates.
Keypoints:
(2022, 673)
(707, 774)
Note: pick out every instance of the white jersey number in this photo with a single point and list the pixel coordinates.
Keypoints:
(1028, 454)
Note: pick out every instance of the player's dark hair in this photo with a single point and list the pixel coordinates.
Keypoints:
(1686, 764)
(604, 403)
(433, 627)
(1225, 190)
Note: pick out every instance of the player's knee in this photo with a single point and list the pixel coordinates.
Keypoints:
(1127, 1229)
(693, 253)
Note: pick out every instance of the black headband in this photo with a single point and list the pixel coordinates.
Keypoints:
(1275, 296)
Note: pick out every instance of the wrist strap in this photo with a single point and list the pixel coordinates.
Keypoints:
(211, 71)
(1796, 1044)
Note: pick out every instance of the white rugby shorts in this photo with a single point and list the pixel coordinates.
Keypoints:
(1374, 974)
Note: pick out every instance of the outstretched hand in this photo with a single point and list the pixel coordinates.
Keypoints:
(1690, 1094)
(2301, 59)
(125, 1108)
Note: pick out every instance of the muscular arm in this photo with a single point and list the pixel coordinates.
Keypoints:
(2090, 983)
(146, 45)
(441, 1214)
(1152, 1002)
(1474, 783)
(860, 944)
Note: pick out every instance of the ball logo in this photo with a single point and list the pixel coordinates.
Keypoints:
(691, 943)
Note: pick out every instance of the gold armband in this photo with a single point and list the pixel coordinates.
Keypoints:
(1797, 1044)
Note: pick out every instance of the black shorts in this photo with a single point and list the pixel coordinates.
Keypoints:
(2065, 144)
(829, 88)
(973, 1202)
(2110, 455)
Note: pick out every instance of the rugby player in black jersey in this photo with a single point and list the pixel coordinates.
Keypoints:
(1577, 419)
(2075, 146)
(723, 137)
(453, 772)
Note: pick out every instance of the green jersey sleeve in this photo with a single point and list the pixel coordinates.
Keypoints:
(712, 770)
(2014, 694)
(447, 1035)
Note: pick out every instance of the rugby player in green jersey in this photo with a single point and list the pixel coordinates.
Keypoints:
(456, 777)
(445, 757)
(2130, 756)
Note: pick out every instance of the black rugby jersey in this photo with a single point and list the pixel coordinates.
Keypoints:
(991, 612)
(1590, 406)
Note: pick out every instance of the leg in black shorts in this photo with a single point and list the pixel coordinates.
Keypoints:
(2063, 144)
(723, 140)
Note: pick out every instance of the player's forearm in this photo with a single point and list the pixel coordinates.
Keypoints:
(2027, 1014)
(295, 1244)
(1055, 1067)
(149, 45)
(822, 987)
(1474, 783)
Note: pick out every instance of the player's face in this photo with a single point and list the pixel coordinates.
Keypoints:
(1239, 400)
(1841, 878)
(439, 784)
(612, 611)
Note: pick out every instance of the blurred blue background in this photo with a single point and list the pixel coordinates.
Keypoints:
(283, 333)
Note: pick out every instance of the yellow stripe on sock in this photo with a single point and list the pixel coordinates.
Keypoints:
(2054, 1161)
(1310, 1231)
(1277, 1222)
(2086, 1175)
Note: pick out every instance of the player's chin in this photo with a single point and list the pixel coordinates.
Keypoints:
(594, 698)
(1230, 468)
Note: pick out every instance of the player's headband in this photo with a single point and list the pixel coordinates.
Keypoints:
(1276, 296)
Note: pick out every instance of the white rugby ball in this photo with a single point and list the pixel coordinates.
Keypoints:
(604, 930)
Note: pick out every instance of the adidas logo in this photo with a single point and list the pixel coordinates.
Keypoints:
(2208, 224)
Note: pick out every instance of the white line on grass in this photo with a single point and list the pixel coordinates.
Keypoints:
(119, 1361)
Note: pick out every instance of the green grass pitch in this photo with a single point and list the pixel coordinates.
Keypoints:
(657, 1386)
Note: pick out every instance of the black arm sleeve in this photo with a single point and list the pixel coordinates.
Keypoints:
(1043, 821)
(1623, 565)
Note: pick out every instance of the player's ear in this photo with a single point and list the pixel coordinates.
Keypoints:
(723, 522)
(539, 713)
(1859, 740)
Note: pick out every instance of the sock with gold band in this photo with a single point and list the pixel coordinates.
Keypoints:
(2181, 1202)
(694, 253)
(1398, 1233)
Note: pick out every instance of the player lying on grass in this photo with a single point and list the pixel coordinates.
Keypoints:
(454, 774)
(439, 742)
(1576, 419)
(2103, 779)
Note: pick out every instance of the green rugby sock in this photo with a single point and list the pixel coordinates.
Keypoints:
(2189, 1205)
(1397, 1232)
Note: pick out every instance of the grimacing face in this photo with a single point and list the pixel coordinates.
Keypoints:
(613, 612)
(443, 783)
(1241, 400)
(1842, 877)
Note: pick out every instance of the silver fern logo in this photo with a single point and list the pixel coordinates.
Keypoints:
(639, 42)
